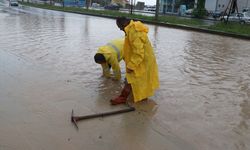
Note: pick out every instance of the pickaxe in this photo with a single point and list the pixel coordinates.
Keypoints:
(75, 119)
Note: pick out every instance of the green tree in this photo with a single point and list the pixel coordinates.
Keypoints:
(200, 11)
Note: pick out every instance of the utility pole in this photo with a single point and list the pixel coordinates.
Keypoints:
(173, 4)
(216, 7)
(87, 4)
(131, 7)
(195, 3)
(157, 9)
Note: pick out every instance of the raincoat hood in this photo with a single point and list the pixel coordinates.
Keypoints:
(138, 26)
(104, 50)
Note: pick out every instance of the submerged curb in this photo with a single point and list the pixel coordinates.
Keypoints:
(177, 26)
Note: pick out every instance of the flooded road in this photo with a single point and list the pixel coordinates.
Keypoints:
(47, 69)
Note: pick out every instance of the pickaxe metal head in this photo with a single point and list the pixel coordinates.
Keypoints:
(73, 119)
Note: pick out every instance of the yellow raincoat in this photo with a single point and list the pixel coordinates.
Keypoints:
(113, 54)
(139, 57)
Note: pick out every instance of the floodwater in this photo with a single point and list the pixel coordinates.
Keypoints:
(47, 69)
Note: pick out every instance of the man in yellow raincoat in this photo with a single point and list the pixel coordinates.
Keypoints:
(109, 56)
(141, 67)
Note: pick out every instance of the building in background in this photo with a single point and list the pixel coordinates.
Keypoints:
(221, 5)
(173, 6)
(120, 2)
(140, 5)
(243, 4)
(167, 6)
(76, 3)
(216, 5)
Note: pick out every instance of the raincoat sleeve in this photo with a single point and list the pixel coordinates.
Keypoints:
(105, 70)
(115, 67)
(137, 41)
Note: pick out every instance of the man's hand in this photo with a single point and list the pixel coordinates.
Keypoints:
(129, 70)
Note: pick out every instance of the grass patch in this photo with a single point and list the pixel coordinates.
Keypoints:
(182, 21)
(232, 27)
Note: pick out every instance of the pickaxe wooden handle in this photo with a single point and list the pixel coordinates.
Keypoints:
(75, 119)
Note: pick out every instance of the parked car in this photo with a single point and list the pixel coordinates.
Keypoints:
(112, 7)
(217, 14)
(13, 2)
(189, 11)
(95, 5)
(242, 18)
(149, 8)
(246, 10)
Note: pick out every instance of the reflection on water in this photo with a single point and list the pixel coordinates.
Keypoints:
(202, 76)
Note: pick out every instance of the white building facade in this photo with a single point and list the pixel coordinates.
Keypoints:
(243, 4)
(221, 5)
(169, 6)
